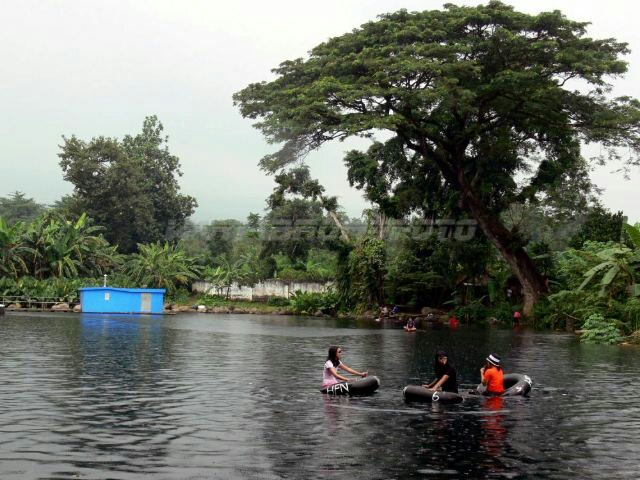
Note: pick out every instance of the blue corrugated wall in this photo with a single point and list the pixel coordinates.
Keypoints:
(122, 300)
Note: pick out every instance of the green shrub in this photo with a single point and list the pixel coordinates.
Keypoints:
(630, 313)
(597, 329)
(542, 312)
(180, 296)
(278, 302)
(307, 303)
(213, 301)
(572, 306)
(474, 311)
(502, 311)
(26, 289)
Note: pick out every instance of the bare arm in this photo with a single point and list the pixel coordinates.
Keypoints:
(335, 373)
(430, 384)
(346, 368)
(482, 379)
(439, 383)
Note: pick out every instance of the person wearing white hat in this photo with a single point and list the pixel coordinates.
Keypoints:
(491, 375)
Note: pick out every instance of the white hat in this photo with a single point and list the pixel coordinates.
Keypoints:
(494, 360)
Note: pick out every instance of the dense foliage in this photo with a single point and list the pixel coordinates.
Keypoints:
(482, 121)
(128, 186)
(159, 265)
(18, 208)
(53, 256)
(52, 246)
(478, 103)
(601, 282)
(597, 329)
(306, 303)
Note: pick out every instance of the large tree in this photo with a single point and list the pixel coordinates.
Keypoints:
(300, 218)
(129, 186)
(18, 208)
(487, 105)
(600, 225)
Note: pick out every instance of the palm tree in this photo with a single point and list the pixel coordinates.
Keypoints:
(226, 273)
(161, 266)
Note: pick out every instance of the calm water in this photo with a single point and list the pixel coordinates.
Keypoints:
(236, 396)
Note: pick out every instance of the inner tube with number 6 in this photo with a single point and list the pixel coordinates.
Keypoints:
(417, 393)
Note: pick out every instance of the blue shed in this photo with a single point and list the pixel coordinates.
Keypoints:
(122, 300)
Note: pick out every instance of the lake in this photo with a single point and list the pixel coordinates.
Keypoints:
(197, 396)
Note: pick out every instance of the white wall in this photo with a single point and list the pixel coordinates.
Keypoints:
(262, 290)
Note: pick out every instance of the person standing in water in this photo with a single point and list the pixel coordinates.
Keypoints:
(330, 375)
(491, 375)
(516, 318)
(445, 374)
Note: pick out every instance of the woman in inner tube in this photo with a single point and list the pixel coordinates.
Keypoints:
(445, 374)
(330, 375)
(491, 376)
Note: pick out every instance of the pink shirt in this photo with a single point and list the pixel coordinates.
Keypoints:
(327, 376)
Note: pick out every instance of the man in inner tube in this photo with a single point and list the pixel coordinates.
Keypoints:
(492, 376)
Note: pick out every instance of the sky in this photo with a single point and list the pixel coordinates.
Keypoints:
(92, 68)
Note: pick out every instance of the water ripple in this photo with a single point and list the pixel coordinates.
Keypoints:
(232, 396)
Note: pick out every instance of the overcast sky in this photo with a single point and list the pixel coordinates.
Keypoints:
(94, 68)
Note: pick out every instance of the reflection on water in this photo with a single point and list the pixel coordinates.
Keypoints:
(494, 434)
(202, 396)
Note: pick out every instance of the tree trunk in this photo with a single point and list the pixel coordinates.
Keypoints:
(381, 224)
(343, 231)
(533, 283)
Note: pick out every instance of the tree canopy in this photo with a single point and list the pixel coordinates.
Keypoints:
(17, 207)
(486, 106)
(129, 185)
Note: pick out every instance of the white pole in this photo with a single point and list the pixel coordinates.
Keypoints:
(105, 280)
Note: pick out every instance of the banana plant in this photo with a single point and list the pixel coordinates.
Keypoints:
(633, 231)
(13, 250)
(65, 249)
(161, 266)
(616, 271)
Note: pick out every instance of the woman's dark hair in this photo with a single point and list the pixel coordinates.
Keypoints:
(438, 368)
(333, 355)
